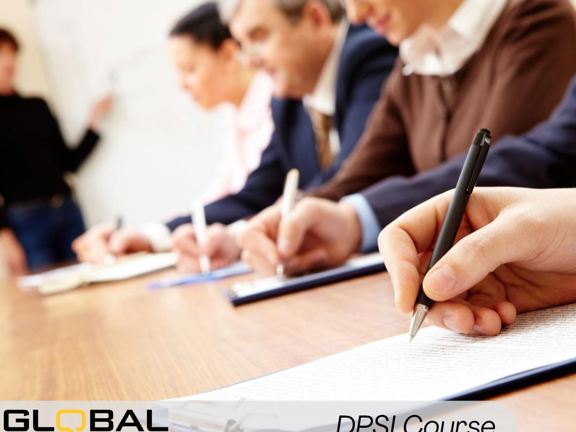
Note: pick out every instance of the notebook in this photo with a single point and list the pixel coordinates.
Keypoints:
(247, 292)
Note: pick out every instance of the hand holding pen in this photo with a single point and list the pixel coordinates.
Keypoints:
(466, 183)
(288, 204)
(199, 221)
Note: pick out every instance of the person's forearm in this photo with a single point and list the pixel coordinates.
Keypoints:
(77, 156)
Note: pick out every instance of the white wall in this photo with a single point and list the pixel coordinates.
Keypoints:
(159, 149)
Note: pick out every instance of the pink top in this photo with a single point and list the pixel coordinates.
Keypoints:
(253, 130)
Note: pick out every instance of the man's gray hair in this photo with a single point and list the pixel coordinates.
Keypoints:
(292, 9)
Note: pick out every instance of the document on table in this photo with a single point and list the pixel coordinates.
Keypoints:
(35, 280)
(131, 268)
(437, 365)
(247, 292)
(68, 278)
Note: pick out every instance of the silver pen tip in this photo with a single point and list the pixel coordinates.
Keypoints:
(417, 320)
(280, 271)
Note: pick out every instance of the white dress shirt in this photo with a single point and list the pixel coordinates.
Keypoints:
(444, 51)
(323, 98)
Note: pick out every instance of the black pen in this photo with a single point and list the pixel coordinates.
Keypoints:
(466, 183)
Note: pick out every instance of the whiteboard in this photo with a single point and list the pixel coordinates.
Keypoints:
(159, 148)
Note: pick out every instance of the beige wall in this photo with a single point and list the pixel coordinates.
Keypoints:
(16, 15)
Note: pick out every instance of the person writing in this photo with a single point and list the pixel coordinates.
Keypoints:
(327, 76)
(414, 131)
(213, 72)
(515, 253)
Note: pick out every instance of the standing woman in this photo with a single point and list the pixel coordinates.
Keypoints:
(212, 71)
(39, 217)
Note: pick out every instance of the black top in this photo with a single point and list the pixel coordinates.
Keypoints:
(33, 154)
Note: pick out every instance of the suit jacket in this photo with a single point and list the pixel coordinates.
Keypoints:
(365, 64)
(511, 84)
(543, 158)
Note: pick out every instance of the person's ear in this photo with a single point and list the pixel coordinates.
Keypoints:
(229, 50)
(317, 14)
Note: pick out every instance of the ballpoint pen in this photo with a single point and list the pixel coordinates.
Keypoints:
(288, 203)
(199, 220)
(466, 183)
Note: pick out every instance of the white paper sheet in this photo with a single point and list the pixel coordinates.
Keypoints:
(34, 281)
(437, 365)
(71, 277)
(131, 268)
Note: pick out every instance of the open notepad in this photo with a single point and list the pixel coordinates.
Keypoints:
(438, 365)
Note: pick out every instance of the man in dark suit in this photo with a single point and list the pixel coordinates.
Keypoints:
(327, 76)
(364, 64)
(543, 158)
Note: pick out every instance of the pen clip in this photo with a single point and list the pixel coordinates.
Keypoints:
(484, 144)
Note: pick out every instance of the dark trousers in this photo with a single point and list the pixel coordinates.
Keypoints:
(46, 230)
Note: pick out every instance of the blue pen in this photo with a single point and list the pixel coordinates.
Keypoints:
(216, 275)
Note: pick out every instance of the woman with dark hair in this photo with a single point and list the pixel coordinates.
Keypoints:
(212, 71)
(39, 217)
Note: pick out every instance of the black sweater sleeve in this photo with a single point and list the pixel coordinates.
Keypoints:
(71, 158)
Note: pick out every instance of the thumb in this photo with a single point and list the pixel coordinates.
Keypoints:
(472, 259)
(294, 228)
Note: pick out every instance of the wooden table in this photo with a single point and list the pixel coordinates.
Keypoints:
(124, 342)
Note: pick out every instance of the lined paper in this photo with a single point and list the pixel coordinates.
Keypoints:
(437, 365)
